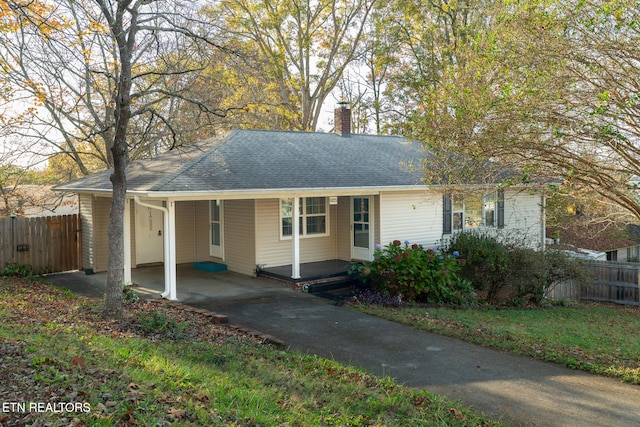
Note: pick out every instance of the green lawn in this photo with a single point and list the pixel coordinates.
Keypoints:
(601, 339)
(163, 366)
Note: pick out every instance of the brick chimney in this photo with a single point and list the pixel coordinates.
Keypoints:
(342, 119)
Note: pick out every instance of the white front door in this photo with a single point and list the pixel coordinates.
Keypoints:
(216, 229)
(149, 234)
(362, 228)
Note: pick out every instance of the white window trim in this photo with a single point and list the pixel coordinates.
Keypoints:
(304, 215)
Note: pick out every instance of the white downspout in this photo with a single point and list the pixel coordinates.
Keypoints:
(167, 270)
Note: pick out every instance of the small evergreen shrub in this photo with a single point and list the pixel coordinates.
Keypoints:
(359, 273)
(417, 274)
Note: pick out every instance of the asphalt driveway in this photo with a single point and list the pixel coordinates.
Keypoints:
(518, 390)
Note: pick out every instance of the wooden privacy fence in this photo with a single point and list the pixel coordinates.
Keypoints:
(611, 281)
(49, 244)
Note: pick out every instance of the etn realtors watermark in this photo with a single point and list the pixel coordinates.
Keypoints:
(45, 407)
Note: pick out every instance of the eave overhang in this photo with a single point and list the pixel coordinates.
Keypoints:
(279, 192)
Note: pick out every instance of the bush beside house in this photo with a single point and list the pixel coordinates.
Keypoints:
(417, 274)
(473, 267)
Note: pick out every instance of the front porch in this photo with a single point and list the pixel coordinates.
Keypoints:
(251, 233)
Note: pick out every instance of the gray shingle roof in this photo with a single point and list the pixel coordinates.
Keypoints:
(272, 160)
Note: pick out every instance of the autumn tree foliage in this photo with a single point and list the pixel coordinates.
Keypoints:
(546, 88)
(301, 47)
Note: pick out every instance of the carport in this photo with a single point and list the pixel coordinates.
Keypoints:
(194, 286)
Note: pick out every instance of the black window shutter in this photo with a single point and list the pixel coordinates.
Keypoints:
(446, 217)
(500, 208)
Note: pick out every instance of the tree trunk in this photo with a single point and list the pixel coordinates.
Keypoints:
(113, 298)
(126, 41)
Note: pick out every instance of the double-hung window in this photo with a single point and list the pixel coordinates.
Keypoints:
(473, 210)
(313, 216)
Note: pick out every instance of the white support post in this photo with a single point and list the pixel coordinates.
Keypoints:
(127, 243)
(295, 239)
(171, 260)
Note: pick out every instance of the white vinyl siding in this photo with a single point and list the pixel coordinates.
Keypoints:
(342, 227)
(101, 208)
(417, 217)
(86, 217)
(412, 216)
(201, 238)
(274, 251)
(132, 226)
(239, 236)
(185, 232)
(377, 220)
(523, 217)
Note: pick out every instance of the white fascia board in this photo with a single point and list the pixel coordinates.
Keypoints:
(99, 191)
(277, 192)
(274, 193)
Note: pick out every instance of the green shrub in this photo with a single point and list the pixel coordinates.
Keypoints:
(486, 261)
(359, 272)
(129, 295)
(17, 270)
(512, 274)
(418, 274)
(161, 325)
(527, 276)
